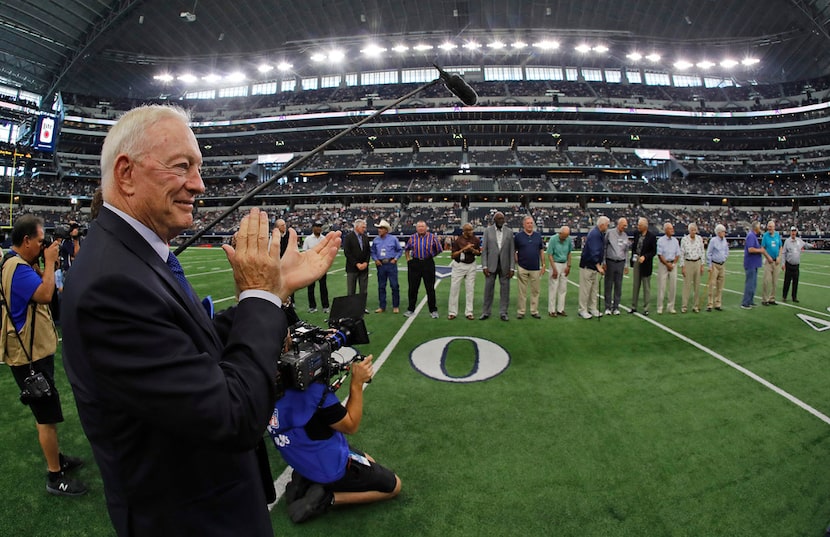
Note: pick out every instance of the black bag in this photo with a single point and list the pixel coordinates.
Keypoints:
(35, 388)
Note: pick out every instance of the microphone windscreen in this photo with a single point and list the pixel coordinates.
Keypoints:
(461, 89)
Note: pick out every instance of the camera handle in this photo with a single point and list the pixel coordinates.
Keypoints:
(346, 368)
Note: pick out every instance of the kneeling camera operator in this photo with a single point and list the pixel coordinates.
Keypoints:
(309, 422)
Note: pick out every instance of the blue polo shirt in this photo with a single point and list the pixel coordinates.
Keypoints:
(771, 242)
(528, 248)
(752, 261)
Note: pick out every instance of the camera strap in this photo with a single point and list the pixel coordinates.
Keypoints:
(5, 304)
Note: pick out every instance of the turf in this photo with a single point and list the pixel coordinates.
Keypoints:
(602, 427)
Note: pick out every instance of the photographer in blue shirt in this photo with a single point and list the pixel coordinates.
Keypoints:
(308, 428)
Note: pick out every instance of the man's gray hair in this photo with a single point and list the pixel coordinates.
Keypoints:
(129, 136)
(719, 228)
(359, 222)
(603, 220)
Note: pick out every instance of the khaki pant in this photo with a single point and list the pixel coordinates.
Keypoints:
(665, 277)
(557, 289)
(771, 271)
(588, 291)
(691, 283)
(526, 278)
(467, 273)
(717, 275)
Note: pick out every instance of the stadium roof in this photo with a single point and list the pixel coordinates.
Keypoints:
(113, 48)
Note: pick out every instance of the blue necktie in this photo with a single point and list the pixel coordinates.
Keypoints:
(176, 269)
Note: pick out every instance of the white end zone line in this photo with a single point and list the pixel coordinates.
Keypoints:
(793, 399)
(285, 476)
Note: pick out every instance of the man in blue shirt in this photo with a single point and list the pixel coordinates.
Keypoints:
(771, 243)
(530, 260)
(308, 428)
(752, 262)
(421, 248)
(386, 250)
(668, 253)
(590, 267)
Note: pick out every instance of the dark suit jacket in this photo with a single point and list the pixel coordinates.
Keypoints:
(172, 403)
(649, 251)
(354, 254)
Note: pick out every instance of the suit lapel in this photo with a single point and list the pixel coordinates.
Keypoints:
(122, 232)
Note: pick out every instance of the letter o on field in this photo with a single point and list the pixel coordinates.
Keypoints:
(430, 359)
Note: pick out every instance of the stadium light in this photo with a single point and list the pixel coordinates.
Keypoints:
(188, 78)
(682, 65)
(728, 63)
(634, 56)
(373, 51)
(318, 57)
(583, 48)
(265, 68)
(705, 64)
(236, 76)
(750, 61)
(284, 66)
(471, 45)
(547, 45)
(447, 46)
(496, 45)
(400, 48)
(420, 47)
(653, 57)
(211, 78)
(518, 45)
(600, 49)
(164, 77)
(336, 55)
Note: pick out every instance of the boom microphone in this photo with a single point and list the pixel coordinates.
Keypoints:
(458, 87)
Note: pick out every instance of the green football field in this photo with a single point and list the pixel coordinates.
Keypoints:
(697, 424)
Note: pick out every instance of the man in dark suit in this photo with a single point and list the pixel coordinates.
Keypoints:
(357, 249)
(497, 259)
(642, 256)
(173, 402)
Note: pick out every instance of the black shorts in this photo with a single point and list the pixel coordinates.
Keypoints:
(46, 410)
(362, 478)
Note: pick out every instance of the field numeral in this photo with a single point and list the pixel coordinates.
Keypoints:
(429, 359)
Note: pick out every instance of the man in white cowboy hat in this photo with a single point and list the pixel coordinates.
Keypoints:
(386, 249)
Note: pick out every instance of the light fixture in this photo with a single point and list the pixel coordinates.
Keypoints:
(750, 61)
(653, 57)
(727, 63)
(373, 51)
(600, 49)
(318, 57)
(211, 78)
(471, 45)
(336, 55)
(447, 46)
(496, 45)
(400, 48)
(682, 65)
(422, 46)
(705, 64)
(634, 56)
(236, 76)
(547, 45)
(188, 78)
(519, 45)
(164, 77)
(265, 68)
(583, 48)
(284, 66)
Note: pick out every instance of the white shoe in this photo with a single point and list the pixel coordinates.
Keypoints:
(616, 312)
(585, 315)
(434, 314)
(595, 313)
(607, 311)
(408, 313)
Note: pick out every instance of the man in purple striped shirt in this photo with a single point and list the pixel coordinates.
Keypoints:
(420, 250)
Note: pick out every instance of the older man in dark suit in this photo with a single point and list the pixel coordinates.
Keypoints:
(497, 260)
(643, 252)
(173, 402)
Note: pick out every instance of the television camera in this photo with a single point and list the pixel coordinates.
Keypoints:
(309, 358)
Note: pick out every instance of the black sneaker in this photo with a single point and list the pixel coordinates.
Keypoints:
(296, 488)
(70, 463)
(315, 502)
(63, 486)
